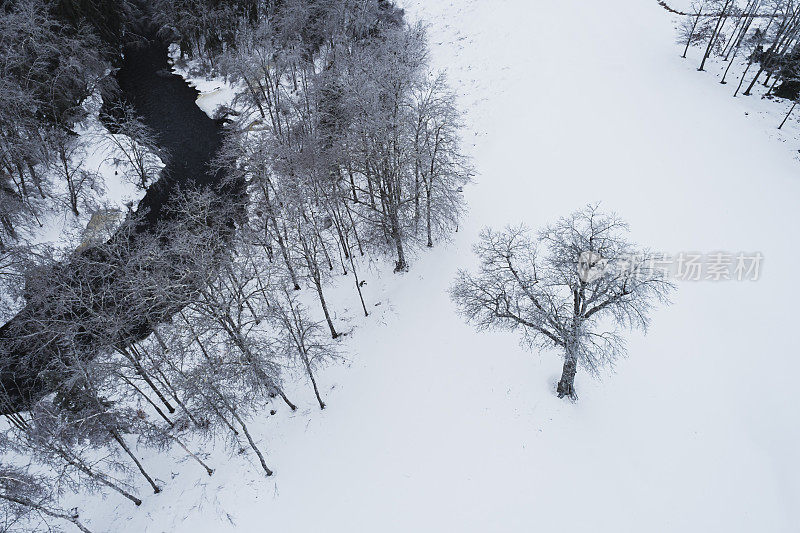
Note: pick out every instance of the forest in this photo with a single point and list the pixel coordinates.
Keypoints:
(341, 147)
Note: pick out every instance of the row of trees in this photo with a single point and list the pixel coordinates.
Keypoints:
(355, 136)
(761, 36)
(349, 147)
(225, 327)
(47, 70)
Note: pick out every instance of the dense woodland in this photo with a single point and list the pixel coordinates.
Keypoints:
(348, 145)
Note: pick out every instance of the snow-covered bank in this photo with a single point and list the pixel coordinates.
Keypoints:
(433, 427)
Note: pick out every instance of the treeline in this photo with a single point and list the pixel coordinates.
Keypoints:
(47, 70)
(760, 37)
(349, 147)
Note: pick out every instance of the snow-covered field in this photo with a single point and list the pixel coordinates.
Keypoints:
(433, 427)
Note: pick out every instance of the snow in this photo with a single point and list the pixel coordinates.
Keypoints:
(60, 227)
(214, 91)
(431, 426)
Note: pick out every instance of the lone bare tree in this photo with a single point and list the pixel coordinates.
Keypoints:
(573, 285)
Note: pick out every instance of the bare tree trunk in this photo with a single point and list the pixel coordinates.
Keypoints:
(722, 16)
(121, 442)
(253, 444)
(318, 286)
(313, 381)
(174, 394)
(324, 249)
(723, 82)
(787, 114)
(358, 283)
(400, 265)
(286, 258)
(352, 184)
(355, 231)
(566, 386)
(55, 514)
(691, 33)
(741, 80)
(286, 400)
(208, 469)
(146, 397)
(69, 176)
(428, 213)
(140, 370)
(94, 475)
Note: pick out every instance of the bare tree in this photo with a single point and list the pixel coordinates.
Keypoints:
(30, 504)
(82, 186)
(301, 338)
(687, 30)
(571, 286)
(134, 146)
(60, 442)
(722, 7)
(439, 163)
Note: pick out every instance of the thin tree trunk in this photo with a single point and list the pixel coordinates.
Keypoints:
(146, 397)
(252, 444)
(741, 80)
(121, 442)
(55, 514)
(313, 381)
(208, 469)
(285, 254)
(286, 400)
(94, 475)
(691, 33)
(358, 283)
(714, 34)
(723, 82)
(324, 248)
(787, 114)
(355, 231)
(401, 264)
(140, 370)
(318, 286)
(428, 213)
(174, 394)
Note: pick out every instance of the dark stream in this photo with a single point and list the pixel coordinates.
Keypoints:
(166, 103)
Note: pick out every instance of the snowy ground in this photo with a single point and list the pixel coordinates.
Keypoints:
(58, 226)
(432, 427)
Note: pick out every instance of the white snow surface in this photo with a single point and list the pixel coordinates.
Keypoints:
(60, 227)
(433, 427)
